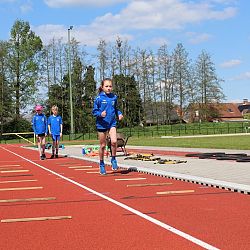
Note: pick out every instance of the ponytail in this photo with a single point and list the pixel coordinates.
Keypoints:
(102, 83)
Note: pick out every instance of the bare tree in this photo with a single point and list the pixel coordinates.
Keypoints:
(102, 58)
(165, 79)
(181, 78)
(208, 84)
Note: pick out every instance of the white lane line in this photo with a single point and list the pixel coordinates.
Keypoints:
(130, 209)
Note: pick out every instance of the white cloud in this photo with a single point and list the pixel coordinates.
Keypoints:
(164, 14)
(23, 5)
(86, 35)
(243, 76)
(196, 38)
(159, 41)
(26, 7)
(231, 63)
(144, 15)
(67, 3)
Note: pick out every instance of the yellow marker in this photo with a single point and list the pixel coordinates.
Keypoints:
(131, 179)
(80, 167)
(3, 166)
(176, 192)
(85, 169)
(22, 188)
(29, 199)
(13, 171)
(36, 219)
(17, 181)
(149, 184)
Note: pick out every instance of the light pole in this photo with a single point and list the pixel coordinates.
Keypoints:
(70, 84)
(119, 44)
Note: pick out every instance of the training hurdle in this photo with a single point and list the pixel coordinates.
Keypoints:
(20, 135)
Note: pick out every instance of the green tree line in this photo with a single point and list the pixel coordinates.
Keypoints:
(150, 84)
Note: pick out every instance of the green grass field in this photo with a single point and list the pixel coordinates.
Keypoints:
(151, 136)
(217, 142)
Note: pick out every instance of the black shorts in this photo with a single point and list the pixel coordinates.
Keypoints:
(41, 135)
(103, 130)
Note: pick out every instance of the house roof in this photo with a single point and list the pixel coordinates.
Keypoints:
(229, 110)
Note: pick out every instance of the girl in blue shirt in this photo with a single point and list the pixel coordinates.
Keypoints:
(105, 110)
(55, 126)
(39, 125)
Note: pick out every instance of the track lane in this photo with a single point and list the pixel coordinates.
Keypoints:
(170, 209)
(93, 225)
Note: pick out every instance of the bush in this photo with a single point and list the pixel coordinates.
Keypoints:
(20, 125)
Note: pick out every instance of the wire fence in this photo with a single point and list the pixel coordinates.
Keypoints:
(154, 131)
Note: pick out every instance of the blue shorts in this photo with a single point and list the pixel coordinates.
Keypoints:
(55, 137)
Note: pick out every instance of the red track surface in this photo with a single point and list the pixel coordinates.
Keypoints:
(217, 217)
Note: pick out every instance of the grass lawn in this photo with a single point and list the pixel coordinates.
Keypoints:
(217, 142)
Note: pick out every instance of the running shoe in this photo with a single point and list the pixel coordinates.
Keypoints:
(102, 169)
(43, 157)
(114, 164)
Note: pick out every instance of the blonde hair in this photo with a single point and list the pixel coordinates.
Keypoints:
(54, 107)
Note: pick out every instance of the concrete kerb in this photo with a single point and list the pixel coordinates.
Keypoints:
(240, 188)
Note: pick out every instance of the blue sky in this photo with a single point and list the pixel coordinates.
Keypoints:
(220, 27)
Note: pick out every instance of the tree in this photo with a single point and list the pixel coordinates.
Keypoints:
(88, 96)
(129, 102)
(22, 60)
(103, 58)
(208, 85)
(181, 77)
(166, 93)
(5, 92)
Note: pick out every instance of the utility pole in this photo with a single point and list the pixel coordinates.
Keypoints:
(70, 84)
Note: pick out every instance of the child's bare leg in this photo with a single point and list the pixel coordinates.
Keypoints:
(57, 146)
(39, 145)
(43, 144)
(53, 147)
(102, 141)
(113, 138)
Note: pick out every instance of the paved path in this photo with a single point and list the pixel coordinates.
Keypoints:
(227, 174)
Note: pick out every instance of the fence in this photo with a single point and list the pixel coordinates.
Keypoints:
(158, 131)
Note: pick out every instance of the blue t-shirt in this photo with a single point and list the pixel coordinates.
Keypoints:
(39, 124)
(107, 102)
(55, 124)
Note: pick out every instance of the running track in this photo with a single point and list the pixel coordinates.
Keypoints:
(119, 211)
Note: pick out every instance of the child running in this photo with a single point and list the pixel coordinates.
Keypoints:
(55, 126)
(105, 110)
(39, 125)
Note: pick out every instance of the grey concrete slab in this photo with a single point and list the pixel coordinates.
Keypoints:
(229, 175)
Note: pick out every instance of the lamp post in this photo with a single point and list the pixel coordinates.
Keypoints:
(119, 44)
(70, 84)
